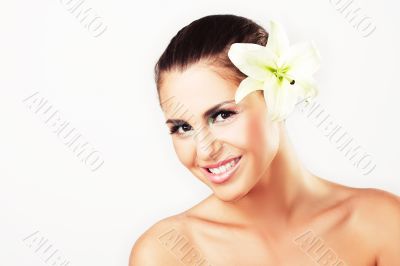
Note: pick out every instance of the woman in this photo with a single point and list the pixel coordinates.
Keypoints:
(266, 208)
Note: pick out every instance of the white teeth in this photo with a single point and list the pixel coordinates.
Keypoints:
(223, 168)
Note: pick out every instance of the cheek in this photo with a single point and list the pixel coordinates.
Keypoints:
(256, 135)
(248, 133)
(183, 152)
(261, 139)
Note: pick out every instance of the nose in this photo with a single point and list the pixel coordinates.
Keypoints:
(208, 147)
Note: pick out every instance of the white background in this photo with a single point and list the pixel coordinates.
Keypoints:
(104, 87)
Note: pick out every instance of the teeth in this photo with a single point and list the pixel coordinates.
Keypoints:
(223, 168)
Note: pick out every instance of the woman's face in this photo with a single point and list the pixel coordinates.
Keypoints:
(209, 128)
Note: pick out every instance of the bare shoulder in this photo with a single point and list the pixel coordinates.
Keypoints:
(373, 202)
(371, 210)
(150, 250)
(366, 202)
(378, 214)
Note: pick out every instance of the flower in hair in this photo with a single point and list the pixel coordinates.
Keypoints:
(283, 72)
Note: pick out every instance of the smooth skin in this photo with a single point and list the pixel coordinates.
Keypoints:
(272, 211)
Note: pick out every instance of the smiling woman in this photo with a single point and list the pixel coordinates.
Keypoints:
(265, 204)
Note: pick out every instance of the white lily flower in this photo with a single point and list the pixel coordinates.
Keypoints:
(284, 72)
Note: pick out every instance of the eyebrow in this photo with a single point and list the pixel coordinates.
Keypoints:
(205, 115)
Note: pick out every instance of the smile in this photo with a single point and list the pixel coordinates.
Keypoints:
(222, 171)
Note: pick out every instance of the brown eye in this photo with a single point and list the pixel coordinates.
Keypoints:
(180, 129)
(186, 127)
(224, 114)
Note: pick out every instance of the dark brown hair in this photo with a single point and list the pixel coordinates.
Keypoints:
(208, 39)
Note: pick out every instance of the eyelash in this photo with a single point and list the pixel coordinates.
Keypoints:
(176, 127)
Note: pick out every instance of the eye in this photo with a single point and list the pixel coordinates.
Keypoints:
(181, 129)
(221, 116)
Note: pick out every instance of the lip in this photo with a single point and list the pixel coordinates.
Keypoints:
(221, 162)
(221, 178)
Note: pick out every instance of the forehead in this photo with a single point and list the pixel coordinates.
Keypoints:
(196, 89)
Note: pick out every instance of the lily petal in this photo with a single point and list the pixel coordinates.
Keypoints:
(287, 98)
(308, 88)
(270, 95)
(278, 41)
(252, 59)
(247, 86)
(281, 99)
(303, 59)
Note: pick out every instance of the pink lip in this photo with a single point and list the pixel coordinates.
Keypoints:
(220, 178)
(220, 163)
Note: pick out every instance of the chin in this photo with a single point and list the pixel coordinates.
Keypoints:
(229, 196)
